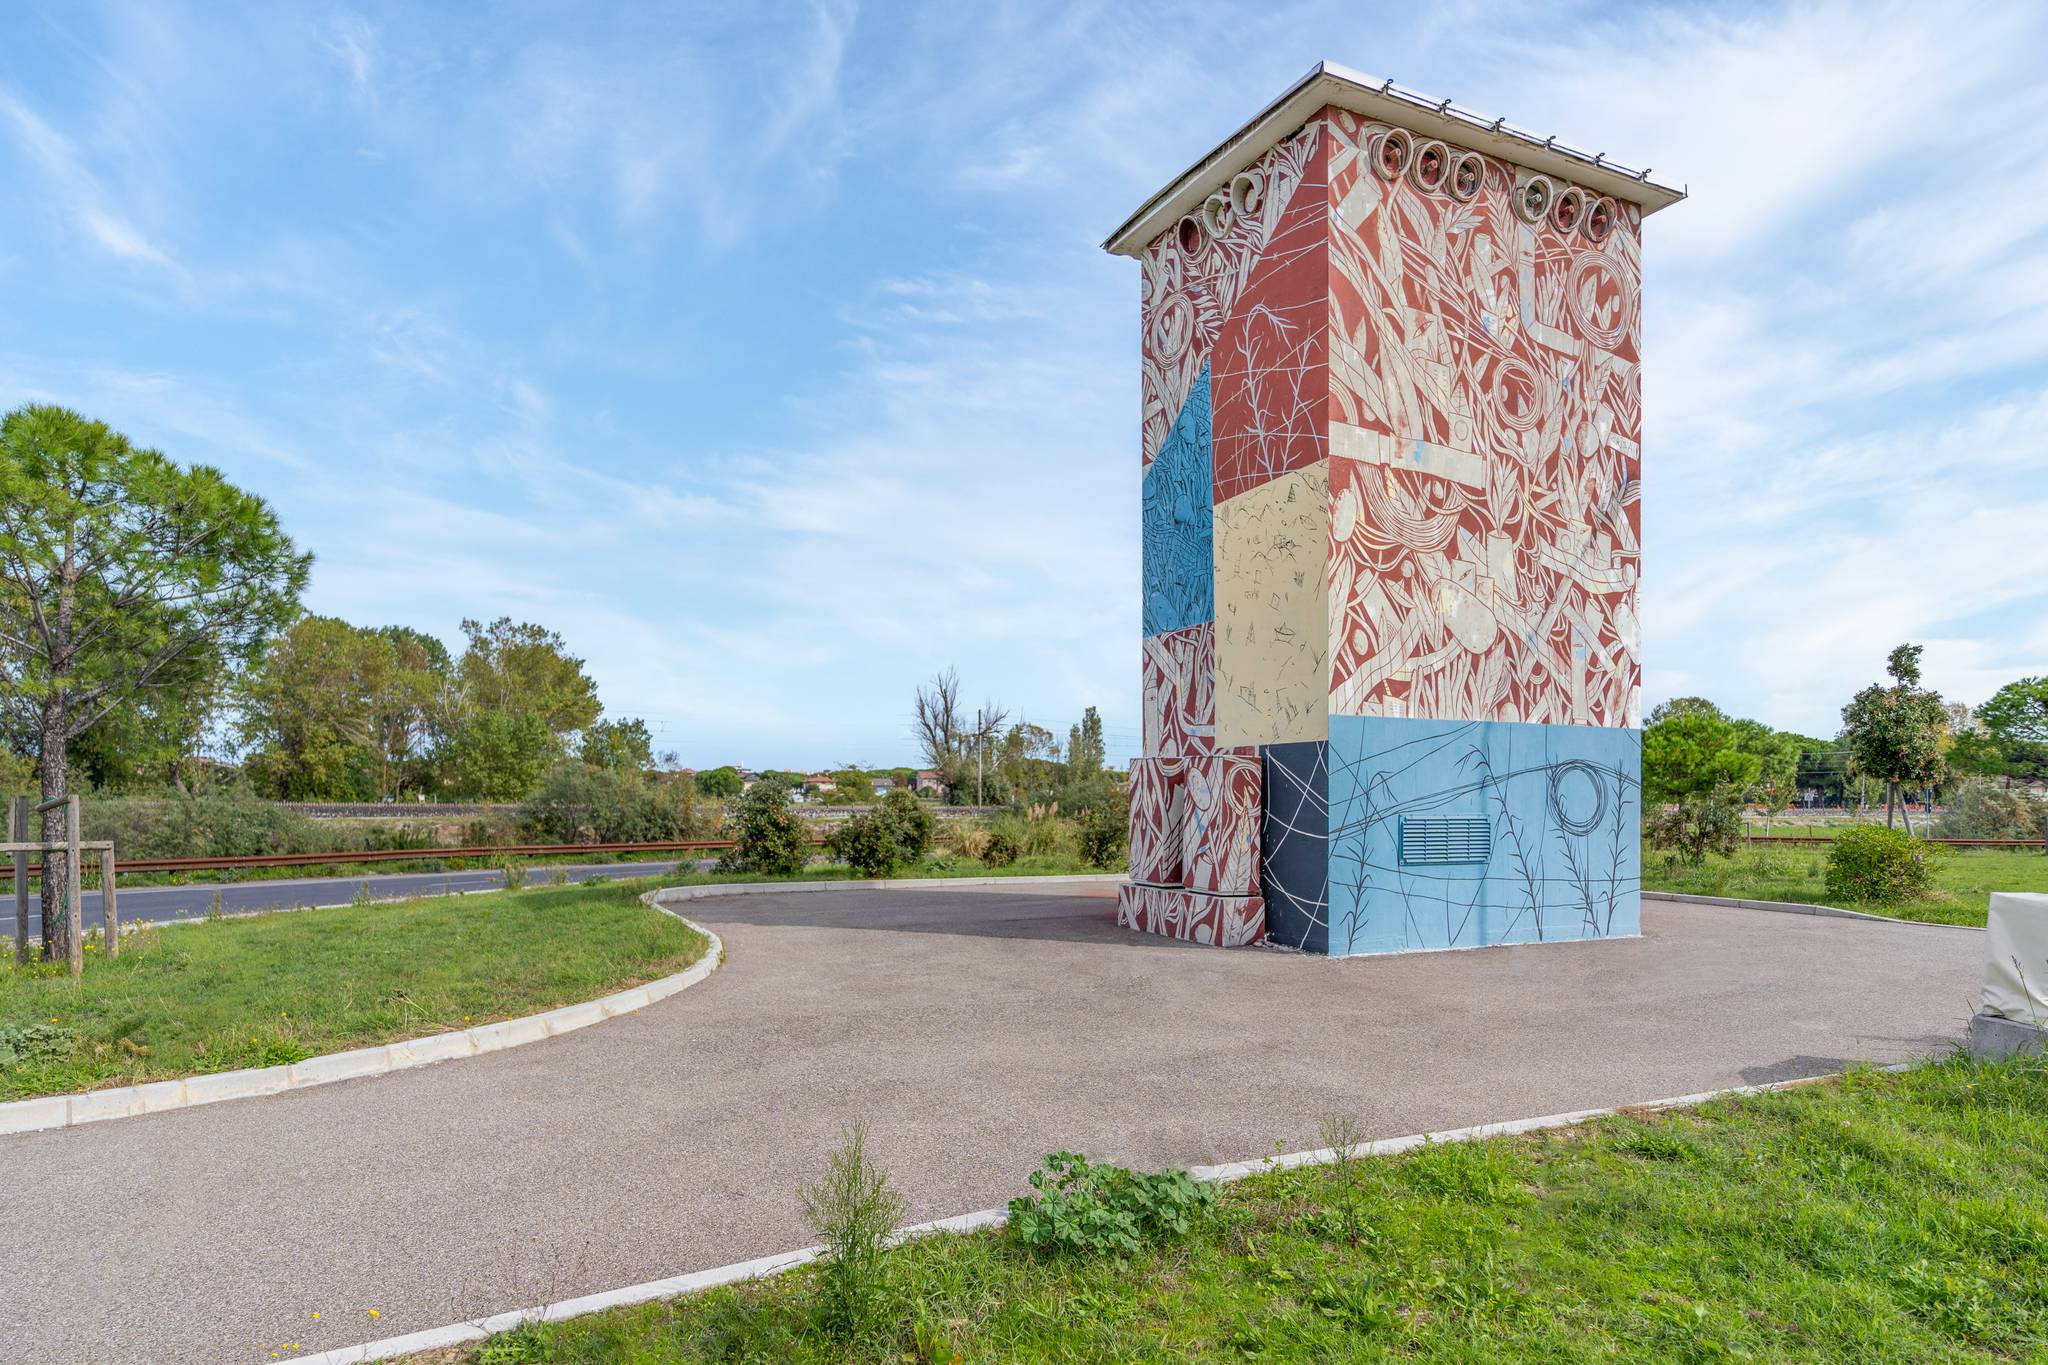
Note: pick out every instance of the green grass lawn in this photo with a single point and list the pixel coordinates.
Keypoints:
(1784, 872)
(1881, 1217)
(279, 988)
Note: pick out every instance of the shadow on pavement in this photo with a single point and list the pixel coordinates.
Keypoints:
(1042, 917)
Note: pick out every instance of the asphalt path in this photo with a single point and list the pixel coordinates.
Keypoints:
(975, 1030)
(160, 903)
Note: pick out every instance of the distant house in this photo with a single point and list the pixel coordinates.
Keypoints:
(819, 785)
(748, 777)
(883, 786)
(928, 783)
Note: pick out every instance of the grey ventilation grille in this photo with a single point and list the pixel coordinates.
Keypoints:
(1446, 839)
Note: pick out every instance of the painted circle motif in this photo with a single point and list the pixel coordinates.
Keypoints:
(1578, 796)
(1517, 396)
(1191, 237)
(1173, 326)
(1532, 198)
(1218, 216)
(1600, 300)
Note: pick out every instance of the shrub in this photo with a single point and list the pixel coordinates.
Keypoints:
(220, 824)
(1985, 810)
(1694, 826)
(909, 823)
(577, 804)
(1873, 865)
(896, 833)
(998, 849)
(1104, 829)
(768, 836)
(866, 844)
(852, 1210)
(1078, 1207)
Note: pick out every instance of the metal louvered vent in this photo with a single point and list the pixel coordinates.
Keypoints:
(1446, 839)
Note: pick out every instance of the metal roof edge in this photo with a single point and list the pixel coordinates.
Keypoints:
(1329, 84)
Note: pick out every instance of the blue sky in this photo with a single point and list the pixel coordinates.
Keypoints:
(767, 351)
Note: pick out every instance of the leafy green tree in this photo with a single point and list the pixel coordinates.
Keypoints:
(1085, 749)
(2016, 720)
(155, 740)
(851, 786)
(578, 802)
(308, 711)
(620, 745)
(518, 697)
(402, 720)
(723, 782)
(497, 755)
(1690, 751)
(117, 565)
(1895, 733)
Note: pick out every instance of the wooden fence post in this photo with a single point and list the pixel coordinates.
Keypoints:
(109, 915)
(74, 910)
(17, 832)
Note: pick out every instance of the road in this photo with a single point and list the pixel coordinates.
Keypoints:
(976, 1030)
(161, 903)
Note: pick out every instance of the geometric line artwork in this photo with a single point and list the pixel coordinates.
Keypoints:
(1294, 844)
(1545, 818)
(1178, 579)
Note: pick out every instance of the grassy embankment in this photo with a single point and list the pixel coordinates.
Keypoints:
(1880, 1217)
(1964, 879)
(279, 988)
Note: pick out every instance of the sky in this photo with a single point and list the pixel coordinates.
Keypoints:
(768, 352)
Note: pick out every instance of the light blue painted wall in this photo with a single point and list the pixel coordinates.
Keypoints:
(1561, 806)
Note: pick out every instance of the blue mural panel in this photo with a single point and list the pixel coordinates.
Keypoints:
(1180, 571)
(1294, 844)
(1459, 834)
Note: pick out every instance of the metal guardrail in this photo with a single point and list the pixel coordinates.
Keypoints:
(400, 855)
(1952, 843)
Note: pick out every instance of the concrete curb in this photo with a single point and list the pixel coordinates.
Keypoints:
(676, 1286)
(97, 1106)
(1803, 908)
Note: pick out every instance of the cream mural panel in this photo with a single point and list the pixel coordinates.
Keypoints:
(1272, 611)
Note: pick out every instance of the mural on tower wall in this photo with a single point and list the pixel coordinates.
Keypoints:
(1485, 419)
(1405, 375)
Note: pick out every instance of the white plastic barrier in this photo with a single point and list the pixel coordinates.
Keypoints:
(2016, 977)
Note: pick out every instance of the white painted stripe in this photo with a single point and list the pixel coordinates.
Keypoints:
(457, 1334)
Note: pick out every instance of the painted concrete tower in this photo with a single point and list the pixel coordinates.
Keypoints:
(1392, 516)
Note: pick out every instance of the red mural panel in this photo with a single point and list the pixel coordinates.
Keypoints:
(1174, 912)
(1194, 274)
(1180, 691)
(1485, 421)
(1221, 828)
(1269, 373)
(1158, 817)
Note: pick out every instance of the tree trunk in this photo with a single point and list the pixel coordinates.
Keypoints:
(1891, 804)
(54, 774)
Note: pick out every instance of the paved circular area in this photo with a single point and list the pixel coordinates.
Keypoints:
(976, 1030)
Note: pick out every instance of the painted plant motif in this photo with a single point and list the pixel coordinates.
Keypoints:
(1222, 829)
(1180, 692)
(1485, 469)
(1192, 276)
